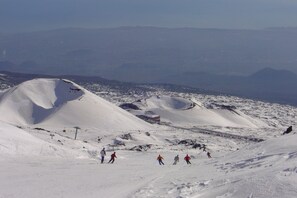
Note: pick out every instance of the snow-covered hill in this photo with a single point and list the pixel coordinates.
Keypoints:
(60, 103)
(179, 111)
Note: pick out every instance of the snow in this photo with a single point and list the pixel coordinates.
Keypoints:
(17, 142)
(40, 158)
(181, 112)
(266, 169)
(61, 103)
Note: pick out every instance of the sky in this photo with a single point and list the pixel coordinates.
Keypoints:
(28, 15)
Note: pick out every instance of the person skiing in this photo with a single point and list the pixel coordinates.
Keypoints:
(208, 155)
(187, 158)
(112, 157)
(102, 153)
(289, 130)
(176, 159)
(160, 158)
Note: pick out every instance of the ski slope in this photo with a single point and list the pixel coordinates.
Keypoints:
(267, 169)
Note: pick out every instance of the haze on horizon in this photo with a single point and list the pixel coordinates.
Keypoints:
(32, 15)
(248, 58)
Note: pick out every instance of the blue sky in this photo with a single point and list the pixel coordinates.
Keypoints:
(27, 15)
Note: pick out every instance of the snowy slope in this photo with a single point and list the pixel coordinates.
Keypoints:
(239, 168)
(61, 103)
(17, 142)
(267, 169)
(182, 112)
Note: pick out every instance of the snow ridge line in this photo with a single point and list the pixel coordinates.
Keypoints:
(221, 134)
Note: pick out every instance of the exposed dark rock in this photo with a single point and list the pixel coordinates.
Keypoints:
(126, 136)
(41, 129)
(196, 146)
(119, 143)
(140, 148)
(128, 106)
(187, 142)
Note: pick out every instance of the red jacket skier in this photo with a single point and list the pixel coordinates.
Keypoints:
(160, 158)
(187, 158)
(112, 157)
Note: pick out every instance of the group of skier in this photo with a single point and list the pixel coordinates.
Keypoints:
(175, 160)
(187, 158)
(103, 154)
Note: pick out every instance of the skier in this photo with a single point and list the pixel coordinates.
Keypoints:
(289, 130)
(102, 153)
(187, 158)
(160, 158)
(112, 157)
(208, 155)
(176, 159)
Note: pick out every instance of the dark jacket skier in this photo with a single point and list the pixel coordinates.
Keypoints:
(102, 153)
(208, 155)
(187, 158)
(289, 130)
(176, 159)
(160, 158)
(112, 157)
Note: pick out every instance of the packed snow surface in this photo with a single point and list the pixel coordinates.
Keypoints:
(267, 169)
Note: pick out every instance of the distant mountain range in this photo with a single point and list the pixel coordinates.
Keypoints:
(146, 54)
(208, 59)
(267, 84)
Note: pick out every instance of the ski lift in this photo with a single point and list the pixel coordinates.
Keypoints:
(76, 131)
